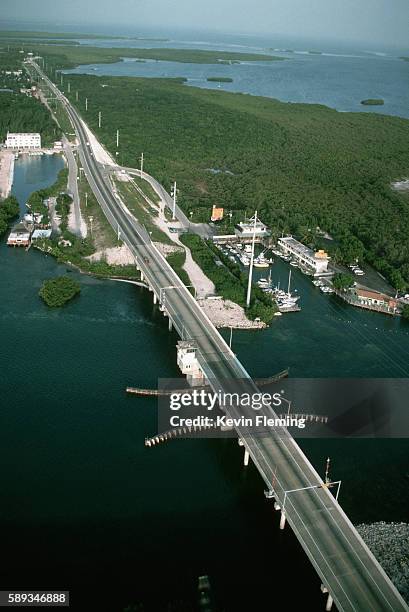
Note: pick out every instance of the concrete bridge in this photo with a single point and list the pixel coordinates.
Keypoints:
(350, 575)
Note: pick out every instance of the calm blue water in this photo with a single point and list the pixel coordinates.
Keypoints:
(82, 500)
(339, 78)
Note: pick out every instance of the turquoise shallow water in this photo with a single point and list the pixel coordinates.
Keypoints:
(82, 500)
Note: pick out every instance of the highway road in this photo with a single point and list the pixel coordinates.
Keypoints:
(201, 229)
(344, 563)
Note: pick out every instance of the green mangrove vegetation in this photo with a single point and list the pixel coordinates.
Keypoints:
(69, 56)
(217, 79)
(58, 291)
(9, 209)
(373, 102)
(302, 167)
(343, 281)
(19, 113)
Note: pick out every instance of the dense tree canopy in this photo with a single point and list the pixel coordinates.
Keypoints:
(9, 209)
(19, 113)
(57, 291)
(300, 166)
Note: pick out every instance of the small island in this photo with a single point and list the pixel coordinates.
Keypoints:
(373, 102)
(217, 79)
(58, 291)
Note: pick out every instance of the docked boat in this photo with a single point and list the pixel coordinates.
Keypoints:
(286, 301)
(265, 283)
(261, 261)
(326, 289)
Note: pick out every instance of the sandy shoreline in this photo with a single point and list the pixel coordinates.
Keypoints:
(6, 173)
(224, 313)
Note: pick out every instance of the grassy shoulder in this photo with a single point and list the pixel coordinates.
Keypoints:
(229, 280)
(58, 291)
(140, 208)
(177, 260)
(301, 166)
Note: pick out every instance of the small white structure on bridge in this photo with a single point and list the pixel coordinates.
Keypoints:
(23, 141)
(188, 363)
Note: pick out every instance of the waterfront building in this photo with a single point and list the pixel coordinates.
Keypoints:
(23, 141)
(317, 261)
(247, 229)
(19, 235)
(41, 233)
(367, 297)
(187, 361)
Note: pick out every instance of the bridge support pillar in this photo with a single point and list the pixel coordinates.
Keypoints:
(246, 457)
(330, 601)
(282, 520)
(170, 325)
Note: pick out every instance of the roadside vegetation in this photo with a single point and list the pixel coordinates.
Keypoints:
(36, 200)
(305, 168)
(142, 211)
(229, 280)
(176, 260)
(58, 291)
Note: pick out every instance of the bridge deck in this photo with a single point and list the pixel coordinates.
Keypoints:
(344, 563)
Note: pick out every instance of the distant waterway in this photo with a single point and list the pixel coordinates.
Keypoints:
(337, 77)
(82, 501)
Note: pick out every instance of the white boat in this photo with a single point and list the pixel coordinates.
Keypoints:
(317, 283)
(326, 289)
(265, 283)
(262, 262)
(278, 314)
(294, 264)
